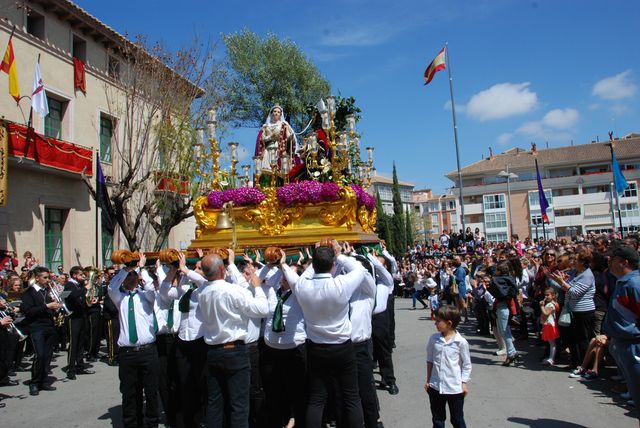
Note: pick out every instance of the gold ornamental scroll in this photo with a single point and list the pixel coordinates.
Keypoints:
(4, 164)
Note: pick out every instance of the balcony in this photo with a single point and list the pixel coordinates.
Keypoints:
(25, 143)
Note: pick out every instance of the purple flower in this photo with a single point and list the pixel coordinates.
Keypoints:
(364, 198)
(242, 196)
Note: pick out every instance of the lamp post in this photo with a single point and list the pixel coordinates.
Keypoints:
(508, 175)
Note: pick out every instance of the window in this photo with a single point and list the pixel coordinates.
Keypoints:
(35, 24)
(561, 212)
(534, 200)
(79, 48)
(594, 169)
(569, 191)
(629, 210)
(53, 226)
(53, 121)
(495, 220)
(562, 172)
(107, 247)
(632, 190)
(114, 67)
(106, 135)
(497, 237)
(493, 202)
(595, 189)
(452, 205)
(434, 219)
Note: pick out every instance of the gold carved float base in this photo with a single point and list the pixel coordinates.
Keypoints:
(271, 223)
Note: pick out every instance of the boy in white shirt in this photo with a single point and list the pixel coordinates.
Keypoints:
(448, 369)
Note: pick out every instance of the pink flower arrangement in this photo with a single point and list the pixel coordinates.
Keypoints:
(308, 192)
(364, 198)
(242, 196)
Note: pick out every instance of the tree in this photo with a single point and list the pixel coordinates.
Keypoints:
(266, 72)
(154, 106)
(399, 230)
(409, 230)
(383, 225)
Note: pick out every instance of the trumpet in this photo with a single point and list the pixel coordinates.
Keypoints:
(93, 292)
(12, 327)
(56, 297)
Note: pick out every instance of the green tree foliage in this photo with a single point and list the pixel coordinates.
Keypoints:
(409, 229)
(382, 224)
(399, 230)
(269, 71)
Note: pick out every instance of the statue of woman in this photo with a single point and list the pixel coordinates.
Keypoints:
(275, 132)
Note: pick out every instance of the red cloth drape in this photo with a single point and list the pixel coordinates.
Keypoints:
(79, 78)
(49, 151)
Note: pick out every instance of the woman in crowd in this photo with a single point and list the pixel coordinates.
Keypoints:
(503, 288)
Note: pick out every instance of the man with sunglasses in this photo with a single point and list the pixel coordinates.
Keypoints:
(39, 310)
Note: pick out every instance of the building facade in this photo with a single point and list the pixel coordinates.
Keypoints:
(578, 185)
(434, 214)
(384, 187)
(49, 210)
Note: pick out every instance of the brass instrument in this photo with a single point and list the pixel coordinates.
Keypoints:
(92, 275)
(64, 311)
(12, 327)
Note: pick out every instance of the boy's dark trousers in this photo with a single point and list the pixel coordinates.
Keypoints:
(482, 315)
(438, 404)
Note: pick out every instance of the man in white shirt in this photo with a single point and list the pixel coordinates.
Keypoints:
(191, 351)
(325, 304)
(138, 359)
(226, 309)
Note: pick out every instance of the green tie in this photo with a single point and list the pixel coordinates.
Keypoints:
(183, 304)
(133, 333)
(278, 323)
(170, 317)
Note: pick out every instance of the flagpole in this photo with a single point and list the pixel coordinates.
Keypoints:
(617, 195)
(455, 134)
(98, 264)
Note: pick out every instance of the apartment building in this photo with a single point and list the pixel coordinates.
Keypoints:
(384, 187)
(434, 214)
(578, 185)
(48, 209)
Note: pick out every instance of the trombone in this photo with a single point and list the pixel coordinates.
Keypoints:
(12, 326)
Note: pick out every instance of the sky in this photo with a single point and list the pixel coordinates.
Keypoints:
(550, 72)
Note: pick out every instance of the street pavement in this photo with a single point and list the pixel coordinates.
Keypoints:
(528, 395)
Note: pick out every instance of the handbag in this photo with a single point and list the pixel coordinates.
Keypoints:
(564, 320)
(454, 285)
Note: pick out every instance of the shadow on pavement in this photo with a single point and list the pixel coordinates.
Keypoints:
(115, 415)
(544, 423)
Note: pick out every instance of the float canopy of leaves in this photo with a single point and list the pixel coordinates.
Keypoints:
(266, 72)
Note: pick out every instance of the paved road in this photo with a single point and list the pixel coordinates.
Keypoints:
(524, 396)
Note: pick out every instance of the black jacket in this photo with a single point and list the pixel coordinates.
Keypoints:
(503, 288)
(34, 308)
(76, 300)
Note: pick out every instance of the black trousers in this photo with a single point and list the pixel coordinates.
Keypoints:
(93, 333)
(168, 376)
(329, 366)
(391, 305)
(382, 346)
(284, 373)
(191, 357)
(138, 372)
(113, 331)
(76, 344)
(256, 391)
(43, 340)
(366, 384)
(228, 381)
(581, 332)
(438, 404)
(8, 344)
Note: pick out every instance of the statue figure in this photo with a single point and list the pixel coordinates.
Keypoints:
(276, 132)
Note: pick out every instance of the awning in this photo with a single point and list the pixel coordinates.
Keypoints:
(49, 151)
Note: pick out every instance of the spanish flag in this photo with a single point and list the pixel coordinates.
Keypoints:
(9, 66)
(436, 65)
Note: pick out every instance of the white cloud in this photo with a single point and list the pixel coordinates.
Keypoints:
(504, 138)
(363, 36)
(459, 107)
(536, 130)
(615, 87)
(501, 101)
(561, 118)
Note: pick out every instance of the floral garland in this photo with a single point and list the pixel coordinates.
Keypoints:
(302, 192)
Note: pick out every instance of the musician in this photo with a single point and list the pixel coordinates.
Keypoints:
(226, 309)
(40, 309)
(94, 299)
(77, 321)
(138, 359)
(111, 321)
(8, 344)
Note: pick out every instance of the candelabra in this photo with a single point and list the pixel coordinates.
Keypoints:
(209, 170)
(233, 148)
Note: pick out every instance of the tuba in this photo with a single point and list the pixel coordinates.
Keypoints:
(93, 275)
